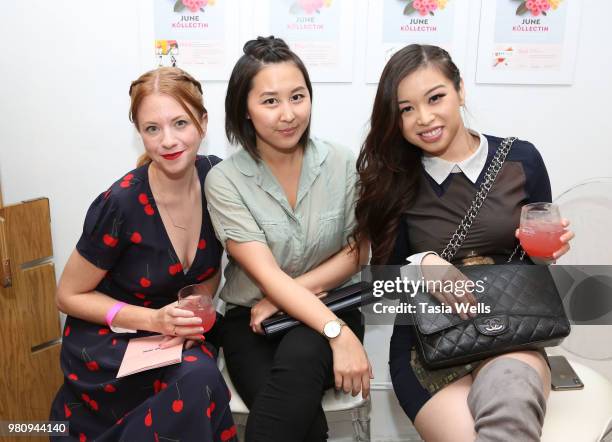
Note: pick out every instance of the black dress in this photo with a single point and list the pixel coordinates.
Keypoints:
(124, 234)
(429, 224)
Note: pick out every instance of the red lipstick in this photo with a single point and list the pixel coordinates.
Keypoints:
(173, 156)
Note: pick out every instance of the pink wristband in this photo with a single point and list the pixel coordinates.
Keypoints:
(112, 312)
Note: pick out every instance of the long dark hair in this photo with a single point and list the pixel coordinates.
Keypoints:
(389, 167)
(257, 53)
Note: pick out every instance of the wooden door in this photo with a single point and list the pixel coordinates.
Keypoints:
(29, 323)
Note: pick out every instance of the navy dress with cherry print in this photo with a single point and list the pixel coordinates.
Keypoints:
(124, 234)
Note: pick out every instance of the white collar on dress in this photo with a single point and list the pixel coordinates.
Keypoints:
(471, 167)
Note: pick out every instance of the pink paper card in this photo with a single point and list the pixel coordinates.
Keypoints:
(145, 354)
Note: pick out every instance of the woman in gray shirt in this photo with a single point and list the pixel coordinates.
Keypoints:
(283, 207)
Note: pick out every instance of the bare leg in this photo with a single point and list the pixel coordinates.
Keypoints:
(446, 416)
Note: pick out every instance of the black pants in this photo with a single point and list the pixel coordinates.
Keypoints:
(281, 380)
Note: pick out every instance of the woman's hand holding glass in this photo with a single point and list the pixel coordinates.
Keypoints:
(177, 324)
(442, 274)
(543, 233)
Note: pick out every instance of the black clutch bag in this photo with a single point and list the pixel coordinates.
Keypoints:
(337, 300)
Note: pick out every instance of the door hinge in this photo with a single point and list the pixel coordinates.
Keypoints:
(6, 280)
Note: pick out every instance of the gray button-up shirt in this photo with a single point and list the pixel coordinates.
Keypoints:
(246, 203)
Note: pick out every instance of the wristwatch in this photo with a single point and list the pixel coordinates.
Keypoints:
(333, 328)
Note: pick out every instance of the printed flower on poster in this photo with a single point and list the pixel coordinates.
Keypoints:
(309, 7)
(536, 7)
(423, 7)
(502, 56)
(193, 5)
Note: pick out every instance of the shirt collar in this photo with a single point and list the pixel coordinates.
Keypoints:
(471, 167)
(314, 156)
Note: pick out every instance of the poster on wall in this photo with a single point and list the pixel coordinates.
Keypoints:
(196, 35)
(319, 31)
(528, 41)
(393, 24)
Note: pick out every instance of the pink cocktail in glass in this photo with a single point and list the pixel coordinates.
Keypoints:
(541, 230)
(197, 299)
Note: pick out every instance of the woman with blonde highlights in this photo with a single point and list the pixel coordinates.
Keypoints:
(144, 238)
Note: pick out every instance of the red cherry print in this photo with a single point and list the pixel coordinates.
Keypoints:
(229, 433)
(67, 411)
(190, 358)
(110, 240)
(94, 405)
(210, 409)
(143, 199)
(149, 210)
(73, 377)
(106, 194)
(128, 177)
(67, 330)
(82, 437)
(202, 244)
(173, 269)
(92, 366)
(124, 184)
(85, 397)
(119, 421)
(148, 419)
(164, 385)
(206, 274)
(140, 295)
(136, 238)
(114, 342)
(109, 388)
(145, 282)
(156, 437)
(147, 303)
(157, 386)
(206, 351)
(177, 405)
(103, 331)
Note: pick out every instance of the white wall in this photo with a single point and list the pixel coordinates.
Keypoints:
(66, 66)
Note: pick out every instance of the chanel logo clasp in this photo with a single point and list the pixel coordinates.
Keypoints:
(493, 324)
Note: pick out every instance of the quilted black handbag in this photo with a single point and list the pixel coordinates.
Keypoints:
(525, 309)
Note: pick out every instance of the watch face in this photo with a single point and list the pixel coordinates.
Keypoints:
(332, 329)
